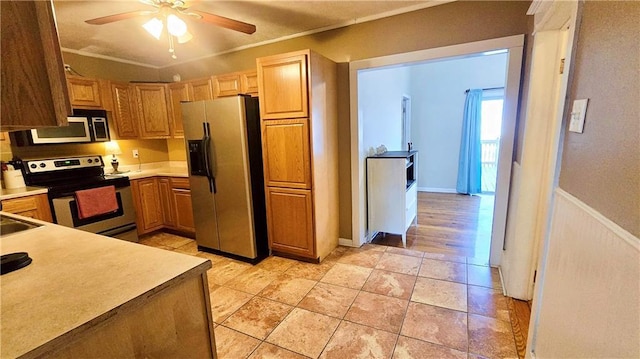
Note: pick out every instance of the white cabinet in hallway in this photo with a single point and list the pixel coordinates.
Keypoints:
(392, 194)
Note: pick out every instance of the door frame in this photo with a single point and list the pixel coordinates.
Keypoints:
(514, 45)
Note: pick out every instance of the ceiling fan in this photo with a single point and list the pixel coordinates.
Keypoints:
(168, 12)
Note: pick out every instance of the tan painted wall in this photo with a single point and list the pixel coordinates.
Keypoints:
(601, 166)
(176, 148)
(453, 23)
(110, 70)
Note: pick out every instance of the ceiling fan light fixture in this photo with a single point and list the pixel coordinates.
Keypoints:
(185, 38)
(176, 26)
(154, 27)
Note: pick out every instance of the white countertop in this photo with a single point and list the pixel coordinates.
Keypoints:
(20, 192)
(166, 169)
(75, 281)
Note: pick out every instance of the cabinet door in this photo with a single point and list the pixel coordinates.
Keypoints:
(184, 211)
(168, 205)
(35, 206)
(227, 85)
(249, 83)
(148, 205)
(285, 148)
(124, 111)
(32, 77)
(84, 92)
(200, 90)
(152, 110)
(177, 92)
(282, 82)
(290, 221)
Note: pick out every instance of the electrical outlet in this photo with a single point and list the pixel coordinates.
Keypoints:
(135, 153)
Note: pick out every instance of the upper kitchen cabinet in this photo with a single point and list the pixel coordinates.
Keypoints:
(124, 110)
(227, 85)
(249, 82)
(201, 89)
(84, 92)
(152, 113)
(178, 92)
(32, 75)
(282, 85)
(298, 103)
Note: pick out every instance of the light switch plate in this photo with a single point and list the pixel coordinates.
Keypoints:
(135, 153)
(578, 112)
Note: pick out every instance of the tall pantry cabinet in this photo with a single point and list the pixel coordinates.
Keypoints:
(298, 110)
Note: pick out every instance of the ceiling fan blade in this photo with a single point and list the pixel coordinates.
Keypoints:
(226, 22)
(117, 17)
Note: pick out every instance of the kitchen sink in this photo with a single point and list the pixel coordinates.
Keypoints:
(11, 225)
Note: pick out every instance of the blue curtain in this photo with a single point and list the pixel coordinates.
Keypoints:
(470, 162)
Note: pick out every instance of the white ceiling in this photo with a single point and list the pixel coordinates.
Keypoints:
(127, 40)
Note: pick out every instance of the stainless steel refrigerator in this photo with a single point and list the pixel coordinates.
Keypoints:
(224, 153)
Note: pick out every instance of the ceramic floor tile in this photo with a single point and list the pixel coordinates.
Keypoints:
(226, 271)
(440, 293)
(347, 275)
(487, 302)
(215, 259)
(252, 280)
(390, 284)
(270, 351)
(329, 299)
(288, 289)
(225, 301)
(310, 271)
(165, 239)
(399, 263)
(491, 337)
(276, 264)
(361, 257)
(483, 276)
(409, 348)
(258, 317)
(337, 253)
(304, 332)
(475, 356)
(357, 341)
(450, 271)
(378, 311)
(372, 247)
(436, 325)
(405, 252)
(446, 257)
(233, 345)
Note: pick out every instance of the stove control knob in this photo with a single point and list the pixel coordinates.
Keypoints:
(33, 165)
(89, 160)
(43, 165)
(97, 160)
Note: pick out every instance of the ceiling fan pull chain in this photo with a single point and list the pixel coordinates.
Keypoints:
(172, 50)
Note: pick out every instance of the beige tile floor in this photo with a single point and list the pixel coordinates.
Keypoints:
(369, 302)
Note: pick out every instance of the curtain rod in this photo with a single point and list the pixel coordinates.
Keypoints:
(487, 89)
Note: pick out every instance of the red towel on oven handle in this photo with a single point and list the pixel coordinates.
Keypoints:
(96, 201)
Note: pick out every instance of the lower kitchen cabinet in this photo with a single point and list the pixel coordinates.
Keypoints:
(290, 221)
(163, 202)
(146, 197)
(35, 206)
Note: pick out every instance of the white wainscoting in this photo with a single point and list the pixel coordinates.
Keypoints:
(587, 302)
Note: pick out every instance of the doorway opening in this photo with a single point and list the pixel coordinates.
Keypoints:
(361, 135)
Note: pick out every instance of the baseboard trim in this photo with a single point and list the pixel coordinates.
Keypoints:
(345, 242)
(437, 190)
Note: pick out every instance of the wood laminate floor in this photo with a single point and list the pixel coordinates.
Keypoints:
(449, 223)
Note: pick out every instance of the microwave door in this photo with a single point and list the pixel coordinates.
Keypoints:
(76, 131)
(100, 129)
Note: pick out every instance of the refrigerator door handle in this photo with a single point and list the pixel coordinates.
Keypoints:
(208, 156)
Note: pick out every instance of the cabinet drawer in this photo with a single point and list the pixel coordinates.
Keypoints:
(22, 204)
(177, 182)
(412, 195)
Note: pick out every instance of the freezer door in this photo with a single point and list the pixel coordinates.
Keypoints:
(231, 169)
(202, 197)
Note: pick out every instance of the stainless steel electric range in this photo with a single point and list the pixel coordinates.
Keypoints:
(64, 176)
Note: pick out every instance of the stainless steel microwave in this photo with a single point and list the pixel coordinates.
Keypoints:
(84, 126)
